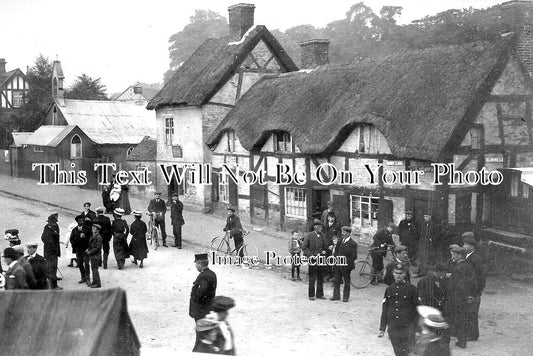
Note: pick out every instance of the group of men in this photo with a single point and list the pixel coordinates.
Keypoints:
(158, 207)
(453, 289)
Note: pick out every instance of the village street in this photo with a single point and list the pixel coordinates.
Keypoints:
(272, 314)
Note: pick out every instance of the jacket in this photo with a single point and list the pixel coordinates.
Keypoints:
(202, 294)
(50, 238)
(314, 244)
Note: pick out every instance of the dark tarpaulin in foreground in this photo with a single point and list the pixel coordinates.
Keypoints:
(66, 323)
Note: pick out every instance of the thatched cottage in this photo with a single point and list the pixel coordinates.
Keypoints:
(205, 88)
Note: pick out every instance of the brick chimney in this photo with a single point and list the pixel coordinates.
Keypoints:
(241, 18)
(2, 65)
(314, 53)
(520, 14)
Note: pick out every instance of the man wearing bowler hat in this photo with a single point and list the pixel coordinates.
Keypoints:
(474, 259)
(159, 208)
(347, 248)
(15, 274)
(204, 288)
(176, 217)
(234, 228)
(315, 245)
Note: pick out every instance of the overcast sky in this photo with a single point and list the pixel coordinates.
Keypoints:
(124, 41)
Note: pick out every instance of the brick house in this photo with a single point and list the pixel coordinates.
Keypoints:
(205, 88)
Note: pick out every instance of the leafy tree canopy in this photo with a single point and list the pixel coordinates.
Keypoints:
(86, 88)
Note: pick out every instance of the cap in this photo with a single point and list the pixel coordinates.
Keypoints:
(157, 193)
(175, 195)
(137, 213)
(347, 229)
(98, 226)
(221, 303)
(87, 203)
(79, 217)
(231, 208)
(436, 321)
(10, 253)
(424, 311)
(458, 249)
(468, 234)
(119, 211)
(32, 244)
(400, 248)
(451, 247)
(400, 266)
(100, 209)
(53, 217)
(200, 257)
(470, 240)
(206, 324)
(317, 222)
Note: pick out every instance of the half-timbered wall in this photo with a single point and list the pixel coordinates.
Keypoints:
(14, 93)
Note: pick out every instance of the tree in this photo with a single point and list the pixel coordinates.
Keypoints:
(204, 24)
(86, 88)
(39, 98)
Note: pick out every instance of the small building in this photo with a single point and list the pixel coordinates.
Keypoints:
(138, 93)
(205, 88)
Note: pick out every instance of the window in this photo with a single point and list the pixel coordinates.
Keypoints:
(476, 137)
(18, 99)
(169, 130)
(130, 149)
(176, 151)
(525, 191)
(295, 202)
(369, 139)
(283, 142)
(54, 115)
(75, 147)
(223, 190)
(137, 90)
(515, 182)
(38, 149)
(230, 141)
(364, 211)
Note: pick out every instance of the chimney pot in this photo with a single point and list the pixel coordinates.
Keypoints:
(2, 65)
(241, 19)
(314, 53)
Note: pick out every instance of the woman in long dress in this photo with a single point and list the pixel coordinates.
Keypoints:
(120, 231)
(138, 246)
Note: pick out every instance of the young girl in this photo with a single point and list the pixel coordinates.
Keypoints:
(295, 248)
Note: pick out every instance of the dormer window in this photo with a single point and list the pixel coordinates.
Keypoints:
(282, 142)
(230, 141)
(369, 139)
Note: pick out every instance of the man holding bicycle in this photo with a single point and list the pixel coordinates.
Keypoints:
(234, 228)
(382, 239)
(158, 207)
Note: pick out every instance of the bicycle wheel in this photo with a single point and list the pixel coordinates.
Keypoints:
(361, 275)
(155, 239)
(218, 244)
(248, 250)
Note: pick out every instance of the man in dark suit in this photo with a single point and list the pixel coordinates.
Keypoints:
(176, 216)
(79, 239)
(426, 245)
(234, 227)
(52, 251)
(38, 265)
(347, 248)
(15, 274)
(105, 232)
(399, 313)
(158, 206)
(325, 213)
(409, 233)
(314, 245)
(380, 242)
(474, 259)
(88, 216)
(94, 253)
(30, 276)
(204, 288)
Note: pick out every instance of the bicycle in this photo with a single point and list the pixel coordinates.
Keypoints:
(222, 244)
(153, 231)
(363, 273)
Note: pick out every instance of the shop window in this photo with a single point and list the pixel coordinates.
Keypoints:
(295, 202)
(364, 211)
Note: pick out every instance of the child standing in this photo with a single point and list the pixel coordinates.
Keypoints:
(295, 249)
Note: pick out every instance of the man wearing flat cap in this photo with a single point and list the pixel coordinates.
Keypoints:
(204, 288)
(176, 216)
(315, 244)
(52, 251)
(474, 259)
(401, 256)
(399, 315)
(158, 207)
(94, 251)
(105, 232)
(38, 265)
(462, 288)
(234, 229)
(79, 240)
(347, 248)
(15, 274)
(381, 240)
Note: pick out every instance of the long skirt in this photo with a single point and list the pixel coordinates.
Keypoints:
(138, 247)
(120, 246)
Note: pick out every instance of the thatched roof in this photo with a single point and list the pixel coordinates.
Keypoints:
(417, 99)
(211, 65)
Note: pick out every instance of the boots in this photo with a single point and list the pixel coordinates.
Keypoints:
(106, 255)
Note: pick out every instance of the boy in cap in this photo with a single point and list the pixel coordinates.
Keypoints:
(15, 274)
(176, 217)
(315, 245)
(295, 250)
(398, 314)
(158, 207)
(52, 251)
(474, 259)
(204, 288)
(38, 265)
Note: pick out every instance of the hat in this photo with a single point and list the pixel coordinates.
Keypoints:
(100, 209)
(32, 244)
(157, 193)
(19, 249)
(86, 203)
(391, 224)
(79, 217)
(53, 217)
(347, 229)
(98, 226)
(468, 234)
(451, 247)
(137, 213)
(458, 249)
(436, 321)
(400, 248)
(231, 208)
(119, 211)
(400, 266)
(424, 311)
(200, 257)
(12, 235)
(409, 212)
(317, 222)
(175, 195)
(206, 324)
(221, 303)
(470, 240)
(10, 253)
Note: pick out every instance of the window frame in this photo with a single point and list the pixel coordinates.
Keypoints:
(19, 98)
(295, 208)
(286, 142)
(169, 130)
(77, 147)
(371, 205)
